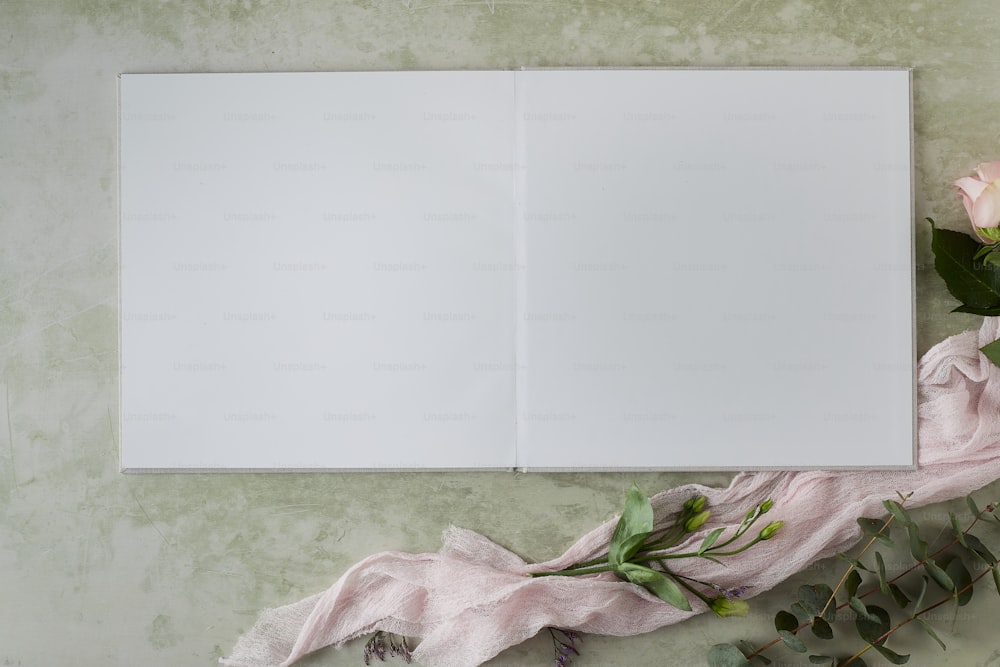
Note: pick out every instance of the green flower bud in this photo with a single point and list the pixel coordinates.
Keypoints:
(697, 521)
(771, 529)
(766, 506)
(695, 504)
(723, 606)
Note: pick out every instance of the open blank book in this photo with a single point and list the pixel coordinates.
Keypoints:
(536, 269)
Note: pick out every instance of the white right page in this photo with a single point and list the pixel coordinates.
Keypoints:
(716, 269)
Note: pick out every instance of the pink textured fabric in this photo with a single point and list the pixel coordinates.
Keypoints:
(472, 599)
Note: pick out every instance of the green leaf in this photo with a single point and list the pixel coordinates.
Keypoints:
(972, 505)
(860, 609)
(985, 312)
(853, 561)
(853, 582)
(785, 621)
(996, 578)
(939, 576)
(800, 612)
(992, 352)
(710, 540)
(656, 583)
(726, 655)
(918, 548)
(871, 528)
(857, 662)
(959, 574)
(792, 642)
(956, 528)
(985, 250)
(975, 284)
(920, 596)
(748, 649)
(892, 656)
(821, 628)
(822, 659)
(880, 564)
(634, 526)
(977, 547)
(930, 630)
(897, 511)
(874, 625)
(898, 596)
(814, 598)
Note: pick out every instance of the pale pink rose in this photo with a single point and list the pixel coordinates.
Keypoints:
(981, 196)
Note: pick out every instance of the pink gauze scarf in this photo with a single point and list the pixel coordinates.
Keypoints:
(473, 599)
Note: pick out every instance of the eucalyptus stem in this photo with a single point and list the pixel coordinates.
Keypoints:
(881, 640)
(954, 595)
(840, 585)
(847, 573)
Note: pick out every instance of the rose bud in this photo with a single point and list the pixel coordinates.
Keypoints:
(981, 197)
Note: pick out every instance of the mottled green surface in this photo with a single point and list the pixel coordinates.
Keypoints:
(97, 568)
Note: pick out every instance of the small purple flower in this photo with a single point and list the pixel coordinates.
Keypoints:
(731, 593)
(735, 593)
(563, 644)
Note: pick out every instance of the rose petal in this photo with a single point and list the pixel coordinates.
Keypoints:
(986, 208)
(969, 188)
(989, 171)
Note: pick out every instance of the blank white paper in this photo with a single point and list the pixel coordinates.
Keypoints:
(315, 270)
(717, 269)
(556, 269)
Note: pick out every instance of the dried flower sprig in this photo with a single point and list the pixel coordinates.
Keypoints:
(639, 555)
(816, 604)
(564, 645)
(384, 644)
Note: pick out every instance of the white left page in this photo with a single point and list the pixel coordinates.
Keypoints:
(316, 271)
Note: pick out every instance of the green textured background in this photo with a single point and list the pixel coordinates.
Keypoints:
(98, 568)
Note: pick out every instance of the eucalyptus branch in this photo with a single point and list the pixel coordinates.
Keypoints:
(915, 616)
(864, 550)
(874, 623)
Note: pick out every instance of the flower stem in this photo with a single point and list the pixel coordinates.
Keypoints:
(681, 580)
(711, 552)
(571, 572)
